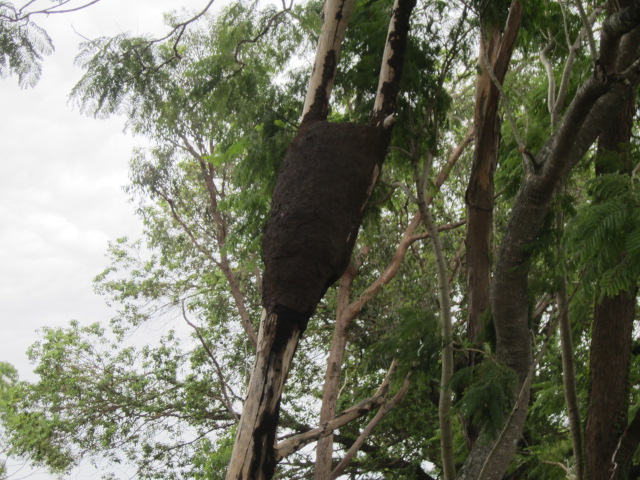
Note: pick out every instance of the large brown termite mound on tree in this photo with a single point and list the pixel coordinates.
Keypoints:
(316, 211)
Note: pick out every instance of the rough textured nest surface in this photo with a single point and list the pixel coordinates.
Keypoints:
(316, 211)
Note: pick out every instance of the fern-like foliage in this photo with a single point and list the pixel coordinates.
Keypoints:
(23, 44)
(488, 395)
(603, 239)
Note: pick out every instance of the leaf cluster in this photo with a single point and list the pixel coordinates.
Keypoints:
(23, 45)
(488, 392)
(604, 237)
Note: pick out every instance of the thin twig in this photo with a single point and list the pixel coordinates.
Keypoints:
(21, 15)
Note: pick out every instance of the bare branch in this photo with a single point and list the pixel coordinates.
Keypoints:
(221, 226)
(408, 237)
(295, 443)
(382, 412)
(22, 15)
(551, 91)
(586, 25)
(568, 66)
(236, 52)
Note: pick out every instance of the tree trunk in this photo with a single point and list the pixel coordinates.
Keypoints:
(253, 454)
(324, 448)
(609, 389)
(611, 331)
(594, 105)
(337, 14)
(479, 197)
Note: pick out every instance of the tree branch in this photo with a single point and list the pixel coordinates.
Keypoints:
(382, 412)
(445, 400)
(586, 25)
(295, 443)
(221, 225)
(408, 236)
(236, 51)
(21, 15)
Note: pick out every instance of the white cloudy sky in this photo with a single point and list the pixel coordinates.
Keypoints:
(61, 175)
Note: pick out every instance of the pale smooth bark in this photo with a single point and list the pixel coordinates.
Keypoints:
(392, 64)
(445, 400)
(324, 448)
(337, 14)
(253, 456)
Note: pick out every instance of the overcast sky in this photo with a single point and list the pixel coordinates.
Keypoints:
(61, 178)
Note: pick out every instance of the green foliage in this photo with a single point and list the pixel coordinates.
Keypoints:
(152, 406)
(23, 44)
(488, 392)
(210, 463)
(411, 336)
(604, 237)
(27, 429)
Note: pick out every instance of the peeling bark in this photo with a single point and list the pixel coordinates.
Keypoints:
(497, 48)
